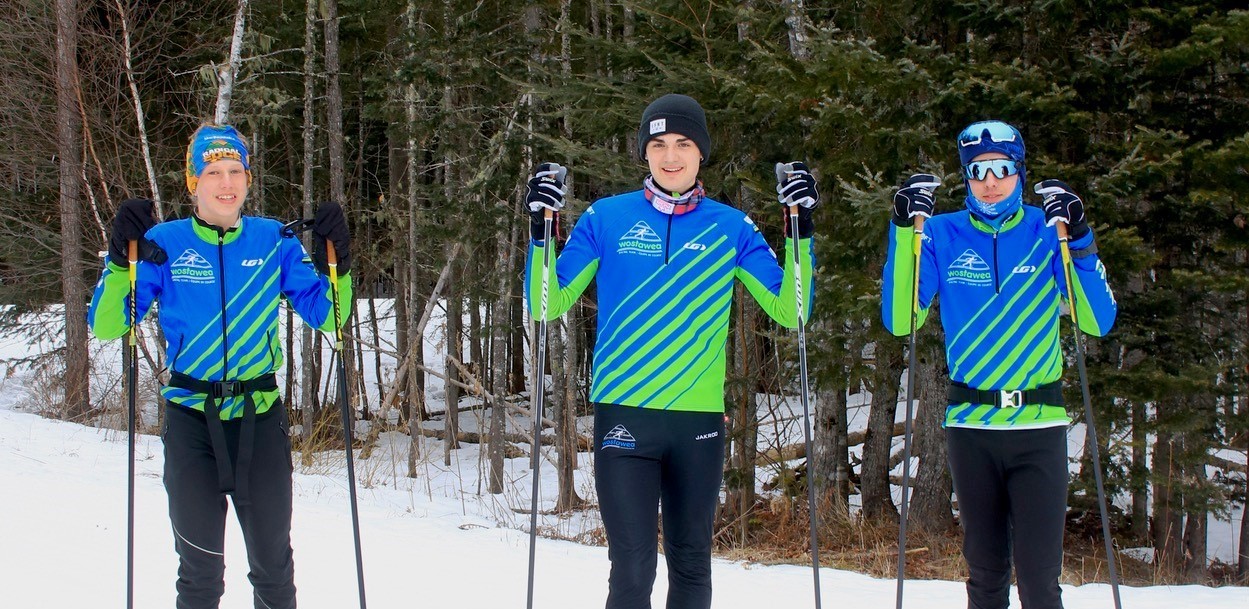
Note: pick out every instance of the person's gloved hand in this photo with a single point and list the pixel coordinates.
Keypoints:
(545, 190)
(330, 224)
(1062, 204)
(915, 198)
(795, 186)
(134, 218)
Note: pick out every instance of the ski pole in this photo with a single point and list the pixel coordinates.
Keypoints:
(332, 259)
(539, 384)
(1068, 274)
(132, 375)
(917, 241)
(783, 171)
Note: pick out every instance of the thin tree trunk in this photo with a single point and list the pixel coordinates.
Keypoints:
(1139, 479)
(931, 510)
(455, 349)
(1196, 530)
(1168, 524)
(831, 455)
(227, 72)
(567, 440)
(878, 438)
(77, 403)
(308, 340)
(509, 241)
(138, 111)
(337, 165)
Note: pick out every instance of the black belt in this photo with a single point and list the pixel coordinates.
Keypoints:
(1051, 393)
(213, 392)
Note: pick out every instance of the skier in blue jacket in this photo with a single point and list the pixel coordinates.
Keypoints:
(665, 258)
(220, 277)
(996, 268)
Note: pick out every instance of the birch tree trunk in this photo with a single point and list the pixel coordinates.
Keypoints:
(138, 112)
(227, 72)
(77, 403)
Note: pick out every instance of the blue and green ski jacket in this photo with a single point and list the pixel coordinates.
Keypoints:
(665, 285)
(1000, 293)
(219, 295)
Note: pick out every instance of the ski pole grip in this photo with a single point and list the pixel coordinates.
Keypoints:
(133, 252)
(782, 175)
(1061, 227)
(331, 254)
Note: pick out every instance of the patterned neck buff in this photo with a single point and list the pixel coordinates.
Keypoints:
(996, 214)
(669, 204)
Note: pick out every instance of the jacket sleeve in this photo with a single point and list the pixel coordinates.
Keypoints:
(897, 296)
(772, 287)
(309, 292)
(109, 313)
(569, 274)
(1095, 304)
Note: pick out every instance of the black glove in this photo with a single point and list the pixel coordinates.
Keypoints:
(544, 191)
(796, 186)
(1061, 204)
(330, 224)
(915, 198)
(134, 217)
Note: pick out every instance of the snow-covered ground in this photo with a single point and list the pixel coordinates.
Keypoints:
(430, 541)
(434, 540)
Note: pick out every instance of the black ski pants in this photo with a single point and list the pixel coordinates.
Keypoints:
(1012, 503)
(197, 509)
(645, 458)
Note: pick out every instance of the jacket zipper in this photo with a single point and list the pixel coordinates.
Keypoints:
(997, 275)
(225, 336)
(667, 238)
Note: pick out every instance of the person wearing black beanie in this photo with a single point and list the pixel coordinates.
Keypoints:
(675, 113)
(665, 258)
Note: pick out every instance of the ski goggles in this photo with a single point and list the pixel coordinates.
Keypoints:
(997, 131)
(979, 170)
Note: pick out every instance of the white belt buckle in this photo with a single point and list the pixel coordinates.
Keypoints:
(1011, 399)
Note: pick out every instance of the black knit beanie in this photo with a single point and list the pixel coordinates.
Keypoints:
(675, 113)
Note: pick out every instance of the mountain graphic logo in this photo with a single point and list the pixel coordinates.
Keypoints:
(191, 267)
(641, 240)
(969, 269)
(619, 437)
(192, 259)
(970, 261)
(642, 232)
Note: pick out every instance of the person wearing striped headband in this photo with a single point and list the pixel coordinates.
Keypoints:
(666, 258)
(220, 277)
(995, 264)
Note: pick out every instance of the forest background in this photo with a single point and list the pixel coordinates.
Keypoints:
(424, 118)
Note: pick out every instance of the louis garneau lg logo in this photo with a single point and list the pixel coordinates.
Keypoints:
(619, 437)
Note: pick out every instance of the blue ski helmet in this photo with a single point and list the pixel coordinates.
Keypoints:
(990, 136)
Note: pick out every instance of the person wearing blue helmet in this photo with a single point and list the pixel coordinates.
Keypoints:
(996, 268)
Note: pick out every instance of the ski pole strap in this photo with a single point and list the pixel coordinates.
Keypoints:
(214, 391)
(1086, 252)
(1050, 394)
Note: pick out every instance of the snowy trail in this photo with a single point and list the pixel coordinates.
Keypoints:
(63, 545)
